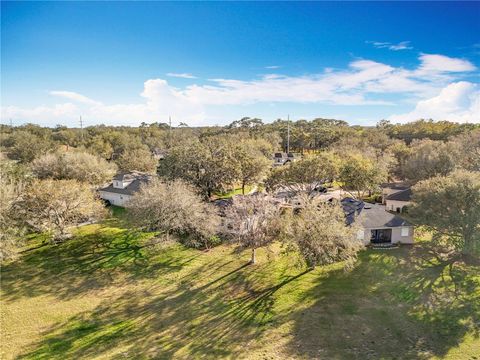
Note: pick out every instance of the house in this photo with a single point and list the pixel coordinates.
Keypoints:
(123, 187)
(378, 226)
(398, 200)
(392, 188)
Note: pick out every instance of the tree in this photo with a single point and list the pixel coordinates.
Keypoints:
(252, 163)
(79, 166)
(210, 165)
(140, 159)
(359, 173)
(305, 175)
(53, 206)
(450, 207)
(253, 222)
(13, 178)
(25, 146)
(100, 147)
(429, 158)
(174, 208)
(468, 149)
(320, 234)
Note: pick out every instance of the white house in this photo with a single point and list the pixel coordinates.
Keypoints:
(123, 187)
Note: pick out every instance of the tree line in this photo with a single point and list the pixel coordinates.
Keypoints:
(49, 179)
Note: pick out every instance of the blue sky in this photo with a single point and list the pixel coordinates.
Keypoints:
(212, 63)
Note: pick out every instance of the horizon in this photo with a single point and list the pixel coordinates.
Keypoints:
(209, 64)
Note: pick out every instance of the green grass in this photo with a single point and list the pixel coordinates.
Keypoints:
(234, 192)
(112, 293)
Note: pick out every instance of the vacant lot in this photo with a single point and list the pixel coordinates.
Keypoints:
(113, 293)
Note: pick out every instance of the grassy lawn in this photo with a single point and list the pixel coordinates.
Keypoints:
(111, 293)
(234, 192)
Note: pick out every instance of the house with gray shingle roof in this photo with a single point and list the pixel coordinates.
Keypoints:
(377, 224)
(398, 200)
(123, 187)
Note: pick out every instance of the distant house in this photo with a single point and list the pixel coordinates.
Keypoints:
(378, 226)
(123, 187)
(398, 200)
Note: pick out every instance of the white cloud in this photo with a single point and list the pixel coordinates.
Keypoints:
(181, 75)
(403, 45)
(273, 67)
(363, 82)
(74, 96)
(432, 63)
(459, 102)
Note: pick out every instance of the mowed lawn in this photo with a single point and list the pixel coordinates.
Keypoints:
(112, 293)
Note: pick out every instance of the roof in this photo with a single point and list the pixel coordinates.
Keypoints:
(370, 216)
(130, 189)
(122, 176)
(395, 186)
(137, 179)
(403, 195)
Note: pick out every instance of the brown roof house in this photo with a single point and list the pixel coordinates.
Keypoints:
(123, 187)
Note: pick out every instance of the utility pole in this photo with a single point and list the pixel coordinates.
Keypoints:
(288, 133)
(81, 127)
(170, 131)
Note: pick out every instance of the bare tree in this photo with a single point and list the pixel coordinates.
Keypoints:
(174, 208)
(253, 222)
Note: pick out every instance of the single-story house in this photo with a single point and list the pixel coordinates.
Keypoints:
(392, 188)
(398, 200)
(123, 187)
(378, 226)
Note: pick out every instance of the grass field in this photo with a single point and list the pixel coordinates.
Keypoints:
(111, 293)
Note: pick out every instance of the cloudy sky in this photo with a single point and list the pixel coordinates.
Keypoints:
(212, 63)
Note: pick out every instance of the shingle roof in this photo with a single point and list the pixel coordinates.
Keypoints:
(130, 189)
(371, 216)
(395, 186)
(404, 195)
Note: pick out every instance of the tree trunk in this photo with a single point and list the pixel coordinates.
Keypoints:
(243, 189)
(253, 260)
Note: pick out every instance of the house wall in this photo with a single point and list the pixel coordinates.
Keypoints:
(392, 205)
(114, 198)
(386, 192)
(397, 237)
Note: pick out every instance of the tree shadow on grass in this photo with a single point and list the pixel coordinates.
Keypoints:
(392, 305)
(90, 262)
(216, 320)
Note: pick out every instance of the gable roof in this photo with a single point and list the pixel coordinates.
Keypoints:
(371, 216)
(395, 186)
(137, 180)
(404, 195)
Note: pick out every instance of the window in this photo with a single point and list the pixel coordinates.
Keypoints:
(360, 234)
(405, 231)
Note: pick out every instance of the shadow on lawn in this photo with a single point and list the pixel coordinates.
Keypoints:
(214, 320)
(392, 305)
(92, 261)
